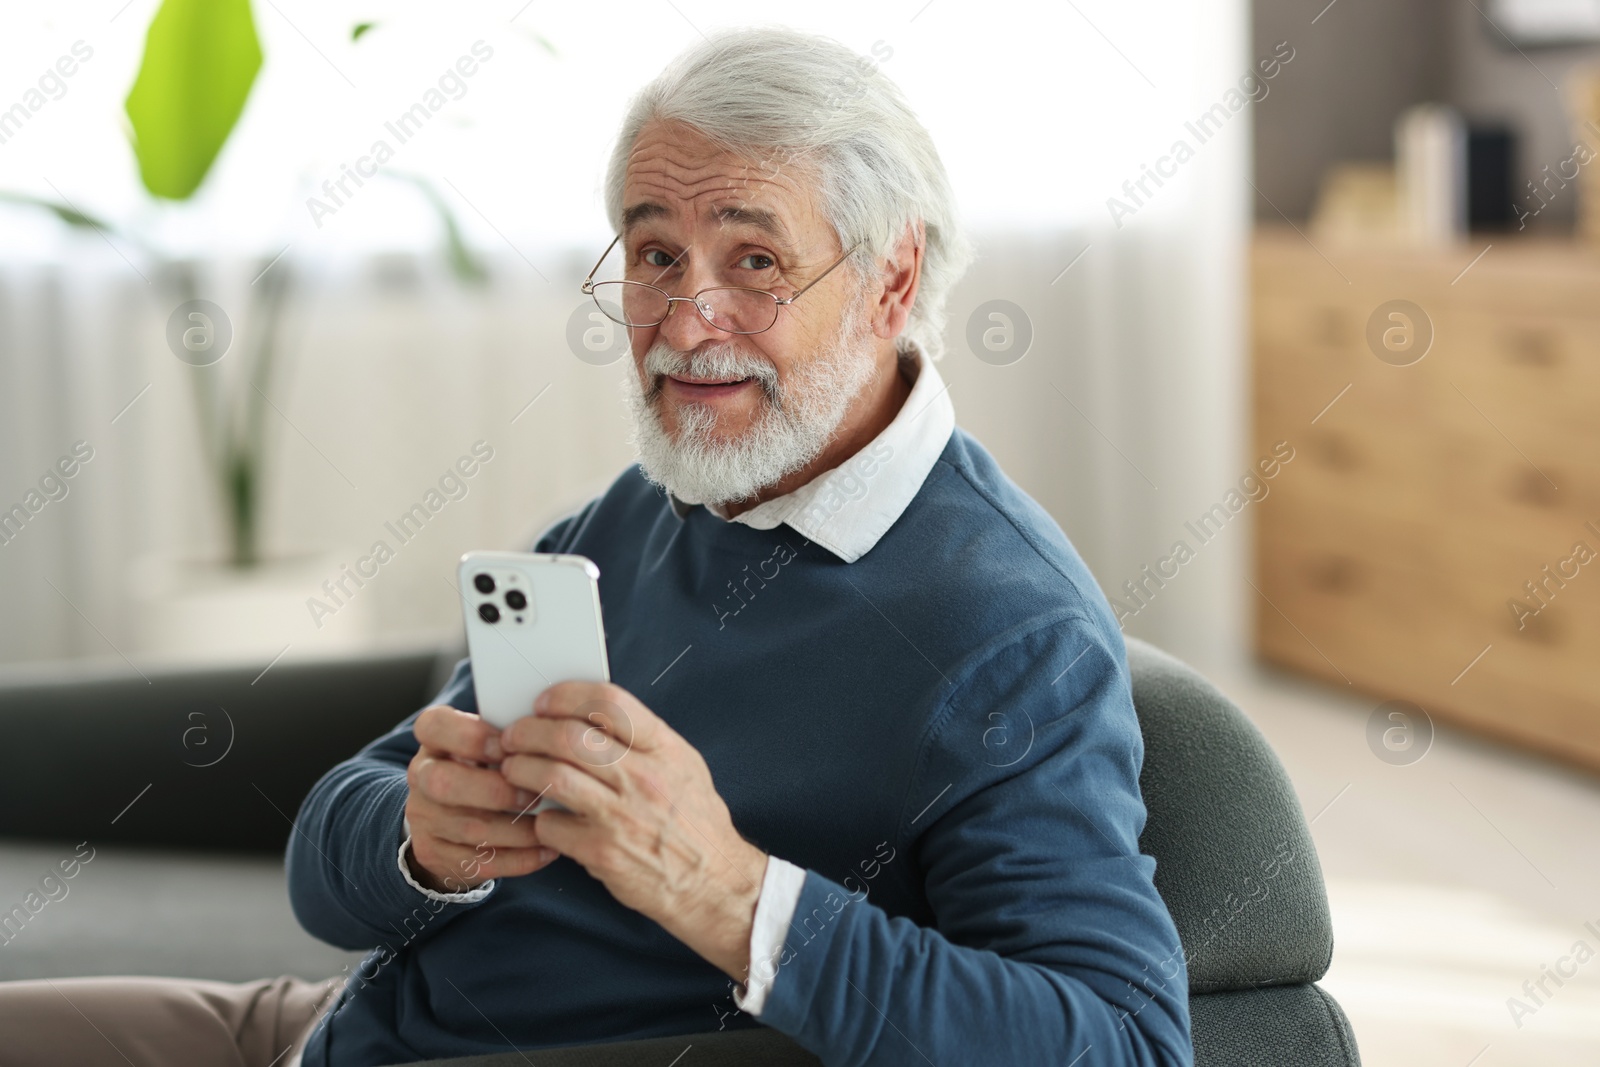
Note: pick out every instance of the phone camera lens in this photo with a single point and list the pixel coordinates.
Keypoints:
(484, 583)
(516, 600)
(488, 612)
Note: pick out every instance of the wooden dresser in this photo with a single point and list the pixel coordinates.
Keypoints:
(1428, 499)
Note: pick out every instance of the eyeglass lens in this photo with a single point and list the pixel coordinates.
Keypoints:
(730, 309)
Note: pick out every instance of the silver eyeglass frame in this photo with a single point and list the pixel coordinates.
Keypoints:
(779, 301)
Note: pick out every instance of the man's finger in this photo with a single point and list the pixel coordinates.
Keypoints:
(593, 745)
(472, 827)
(601, 704)
(445, 780)
(463, 867)
(458, 733)
(569, 834)
(576, 789)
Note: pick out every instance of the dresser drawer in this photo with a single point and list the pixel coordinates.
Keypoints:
(1399, 608)
(1497, 424)
(1533, 378)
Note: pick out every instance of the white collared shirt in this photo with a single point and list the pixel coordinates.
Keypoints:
(846, 510)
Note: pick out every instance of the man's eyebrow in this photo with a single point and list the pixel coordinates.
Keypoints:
(642, 212)
(759, 217)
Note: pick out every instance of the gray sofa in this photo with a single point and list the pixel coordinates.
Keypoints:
(1235, 862)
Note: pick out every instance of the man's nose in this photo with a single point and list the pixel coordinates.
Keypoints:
(686, 328)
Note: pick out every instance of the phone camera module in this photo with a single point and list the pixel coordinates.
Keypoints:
(488, 612)
(516, 600)
(485, 584)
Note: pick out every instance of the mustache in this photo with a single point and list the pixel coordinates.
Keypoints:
(721, 360)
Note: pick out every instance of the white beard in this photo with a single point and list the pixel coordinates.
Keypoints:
(798, 419)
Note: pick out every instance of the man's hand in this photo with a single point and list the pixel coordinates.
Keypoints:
(645, 819)
(466, 821)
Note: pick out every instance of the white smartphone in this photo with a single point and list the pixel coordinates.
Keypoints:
(533, 619)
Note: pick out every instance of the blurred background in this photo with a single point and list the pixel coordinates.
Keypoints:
(1311, 290)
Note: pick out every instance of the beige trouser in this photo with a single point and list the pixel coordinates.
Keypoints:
(158, 1022)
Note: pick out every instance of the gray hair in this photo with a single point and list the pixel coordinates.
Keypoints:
(794, 98)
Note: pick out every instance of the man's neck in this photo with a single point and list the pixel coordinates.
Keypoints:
(868, 416)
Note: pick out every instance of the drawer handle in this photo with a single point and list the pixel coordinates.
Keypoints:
(1333, 574)
(1545, 628)
(1534, 348)
(1333, 450)
(1331, 327)
(1530, 487)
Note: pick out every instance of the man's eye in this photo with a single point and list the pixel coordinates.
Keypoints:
(657, 257)
(757, 261)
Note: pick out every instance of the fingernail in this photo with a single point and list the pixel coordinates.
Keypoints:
(524, 798)
(546, 855)
(492, 749)
(541, 702)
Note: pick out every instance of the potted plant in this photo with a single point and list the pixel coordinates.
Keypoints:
(200, 62)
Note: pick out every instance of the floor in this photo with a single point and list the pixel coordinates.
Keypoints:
(1454, 879)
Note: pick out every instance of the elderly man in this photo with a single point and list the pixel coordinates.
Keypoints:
(872, 770)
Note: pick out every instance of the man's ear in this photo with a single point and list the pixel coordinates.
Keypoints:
(901, 275)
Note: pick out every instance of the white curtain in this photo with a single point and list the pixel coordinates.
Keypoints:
(1127, 416)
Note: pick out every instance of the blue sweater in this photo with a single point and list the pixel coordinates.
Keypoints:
(941, 733)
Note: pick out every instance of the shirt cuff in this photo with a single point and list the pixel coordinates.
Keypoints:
(471, 896)
(780, 895)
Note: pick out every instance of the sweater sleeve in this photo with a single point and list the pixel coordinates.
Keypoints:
(346, 882)
(1049, 939)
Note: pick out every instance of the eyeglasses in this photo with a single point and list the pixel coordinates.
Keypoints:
(730, 308)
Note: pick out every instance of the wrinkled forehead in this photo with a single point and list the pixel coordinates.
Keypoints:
(684, 187)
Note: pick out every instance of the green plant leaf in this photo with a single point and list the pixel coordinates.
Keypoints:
(359, 29)
(67, 214)
(200, 60)
(464, 263)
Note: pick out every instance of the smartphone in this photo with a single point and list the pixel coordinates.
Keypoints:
(532, 619)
